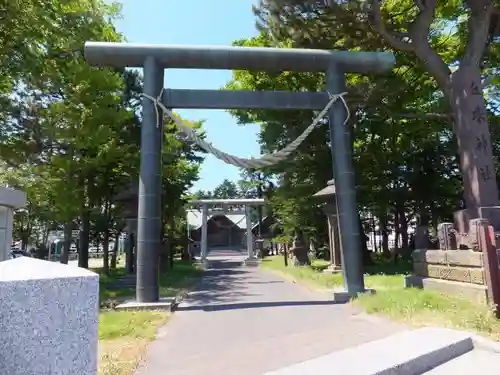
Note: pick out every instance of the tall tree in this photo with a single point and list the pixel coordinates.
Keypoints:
(226, 190)
(69, 133)
(449, 38)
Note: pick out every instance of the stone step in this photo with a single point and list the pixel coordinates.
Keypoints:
(407, 353)
(477, 361)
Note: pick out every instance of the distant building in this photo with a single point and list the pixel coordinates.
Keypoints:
(223, 230)
(269, 227)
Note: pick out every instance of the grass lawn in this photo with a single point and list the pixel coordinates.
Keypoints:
(174, 282)
(413, 306)
(124, 335)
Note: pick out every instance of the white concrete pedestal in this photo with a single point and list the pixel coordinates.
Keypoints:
(10, 199)
(341, 295)
(204, 264)
(332, 268)
(251, 262)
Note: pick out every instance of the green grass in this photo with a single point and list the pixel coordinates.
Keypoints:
(413, 306)
(132, 324)
(383, 276)
(124, 335)
(123, 339)
(172, 283)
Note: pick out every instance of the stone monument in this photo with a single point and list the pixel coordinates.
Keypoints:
(10, 199)
(48, 318)
(476, 154)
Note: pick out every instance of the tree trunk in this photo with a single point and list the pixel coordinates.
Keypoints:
(129, 255)
(285, 254)
(384, 234)
(105, 251)
(164, 256)
(45, 237)
(105, 242)
(114, 255)
(25, 232)
(171, 255)
(402, 225)
(366, 254)
(64, 258)
(405, 238)
(83, 251)
(397, 231)
(185, 248)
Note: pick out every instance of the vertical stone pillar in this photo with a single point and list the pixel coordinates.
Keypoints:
(248, 219)
(250, 260)
(475, 151)
(150, 187)
(204, 233)
(446, 237)
(10, 199)
(343, 172)
(330, 211)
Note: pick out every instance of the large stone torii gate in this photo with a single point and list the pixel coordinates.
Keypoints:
(154, 59)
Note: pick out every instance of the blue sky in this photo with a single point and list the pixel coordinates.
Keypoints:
(198, 22)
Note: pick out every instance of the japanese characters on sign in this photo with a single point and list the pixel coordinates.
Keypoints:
(485, 173)
(475, 89)
(478, 115)
(482, 144)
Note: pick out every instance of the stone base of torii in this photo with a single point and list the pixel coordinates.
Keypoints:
(211, 206)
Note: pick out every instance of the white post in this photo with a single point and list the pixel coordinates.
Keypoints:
(204, 239)
(6, 217)
(249, 232)
(50, 251)
(9, 200)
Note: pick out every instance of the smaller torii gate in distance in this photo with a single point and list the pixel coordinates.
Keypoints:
(222, 206)
(154, 59)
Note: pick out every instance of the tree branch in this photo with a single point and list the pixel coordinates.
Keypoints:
(419, 32)
(393, 40)
(423, 116)
(479, 28)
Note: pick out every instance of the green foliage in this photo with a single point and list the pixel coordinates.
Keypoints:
(404, 149)
(70, 133)
(226, 190)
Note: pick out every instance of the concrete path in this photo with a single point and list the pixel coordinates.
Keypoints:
(247, 321)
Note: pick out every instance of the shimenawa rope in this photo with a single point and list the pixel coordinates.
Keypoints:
(252, 163)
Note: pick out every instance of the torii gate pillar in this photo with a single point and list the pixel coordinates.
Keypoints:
(251, 260)
(204, 234)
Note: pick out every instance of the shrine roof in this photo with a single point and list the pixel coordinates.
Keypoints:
(194, 219)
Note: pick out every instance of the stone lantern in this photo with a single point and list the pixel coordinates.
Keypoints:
(329, 207)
